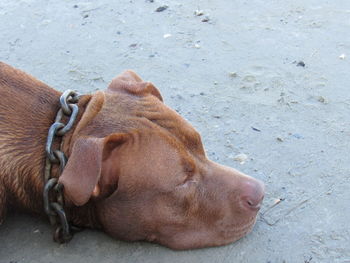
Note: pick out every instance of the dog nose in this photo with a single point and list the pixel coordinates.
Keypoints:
(252, 194)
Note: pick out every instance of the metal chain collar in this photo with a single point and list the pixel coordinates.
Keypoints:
(53, 191)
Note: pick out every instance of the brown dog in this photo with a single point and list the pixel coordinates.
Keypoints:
(136, 169)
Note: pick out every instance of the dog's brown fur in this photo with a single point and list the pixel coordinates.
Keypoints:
(136, 169)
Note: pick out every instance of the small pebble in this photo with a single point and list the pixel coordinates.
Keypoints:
(198, 12)
(322, 99)
(233, 74)
(255, 129)
(205, 19)
(342, 56)
(301, 64)
(162, 8)
(241, 158)
(166, 35)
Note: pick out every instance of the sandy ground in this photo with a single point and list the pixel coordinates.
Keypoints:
(269, 79)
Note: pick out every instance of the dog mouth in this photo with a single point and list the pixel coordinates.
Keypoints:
(232, 233)
(225, 234)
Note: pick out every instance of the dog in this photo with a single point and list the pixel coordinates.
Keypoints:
(136, 169)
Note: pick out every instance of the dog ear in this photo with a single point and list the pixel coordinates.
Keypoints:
(130, 82)
(83, 170)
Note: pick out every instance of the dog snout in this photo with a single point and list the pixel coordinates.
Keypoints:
(252, 194)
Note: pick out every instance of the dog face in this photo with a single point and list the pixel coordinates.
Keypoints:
(145, 169)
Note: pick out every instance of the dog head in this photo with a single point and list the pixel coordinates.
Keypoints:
(145, 169)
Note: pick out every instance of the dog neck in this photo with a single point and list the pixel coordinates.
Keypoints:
(27, 109)
(83, 216)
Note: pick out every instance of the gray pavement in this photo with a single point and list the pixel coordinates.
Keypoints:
(269, 79)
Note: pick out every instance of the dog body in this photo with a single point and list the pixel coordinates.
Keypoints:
(136, 169)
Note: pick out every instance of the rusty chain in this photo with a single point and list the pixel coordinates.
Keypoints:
(53, 191)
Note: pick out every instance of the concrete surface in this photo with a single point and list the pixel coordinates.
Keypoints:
(269, 79)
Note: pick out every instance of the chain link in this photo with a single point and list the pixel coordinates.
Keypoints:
(53, 191)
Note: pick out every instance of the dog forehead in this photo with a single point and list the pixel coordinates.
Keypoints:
(120, 112)
(152, 162)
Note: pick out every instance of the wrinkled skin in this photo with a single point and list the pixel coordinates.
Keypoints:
(156, 182)
(139, 171)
